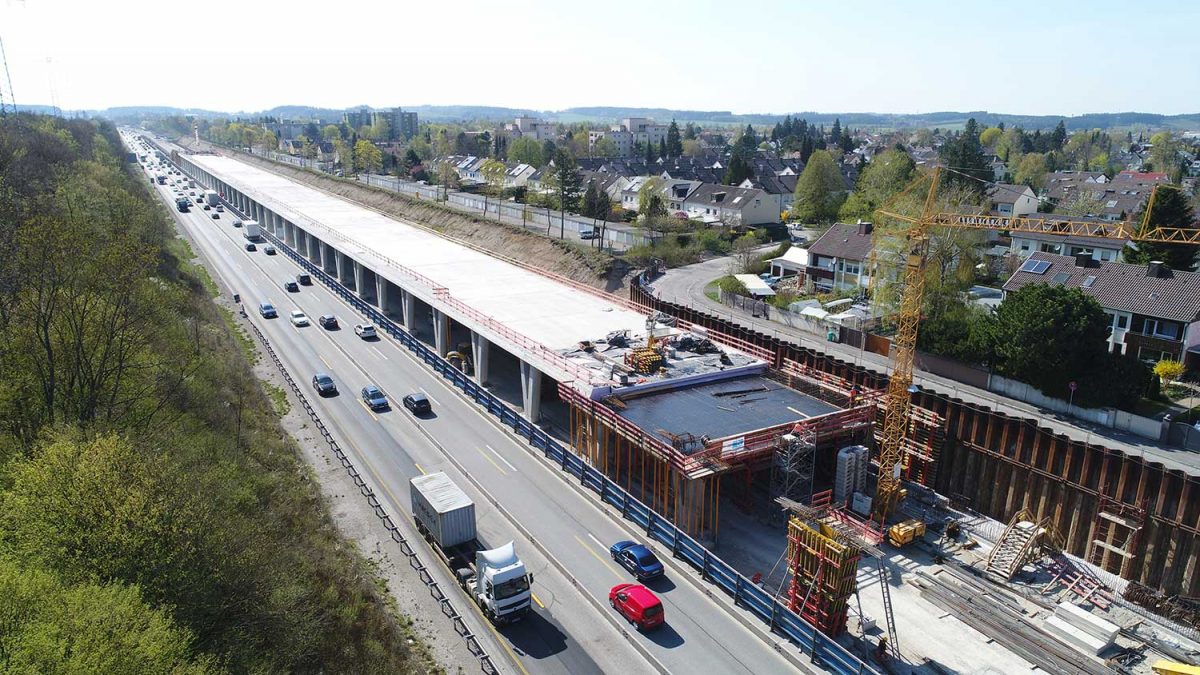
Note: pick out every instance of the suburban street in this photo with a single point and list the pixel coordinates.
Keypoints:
(685, 285)
(571, 628)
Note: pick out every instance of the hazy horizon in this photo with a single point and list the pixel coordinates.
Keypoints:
(538, 55)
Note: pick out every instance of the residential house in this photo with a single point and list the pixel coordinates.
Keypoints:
(518, 175)
(792, 263)
(837, 260)
(730, 206)
(1025, 244)
(780, 188)
(1012, 200)
(1155, 310)
(1062, 186)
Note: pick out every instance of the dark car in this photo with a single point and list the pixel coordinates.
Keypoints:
(250, 246)
(417, 403)
(269, 249)
(324, 384)
(291, 287)
(636, 558)
(374, 398)
(327, 321)
(304, 279)
(267, 310)
(216, 216)
(207, 207)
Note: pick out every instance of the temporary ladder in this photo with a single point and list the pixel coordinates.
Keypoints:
(885, 587)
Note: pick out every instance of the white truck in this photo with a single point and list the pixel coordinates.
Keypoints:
(251, 230)
(210, 196)
(495, 579)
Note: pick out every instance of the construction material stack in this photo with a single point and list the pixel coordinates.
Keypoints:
(1081, 629)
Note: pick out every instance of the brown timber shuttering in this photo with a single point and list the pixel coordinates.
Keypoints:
(998, 464)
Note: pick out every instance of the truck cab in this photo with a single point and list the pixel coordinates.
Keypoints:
(500, 584)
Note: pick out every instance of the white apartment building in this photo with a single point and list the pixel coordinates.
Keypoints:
(631, 131)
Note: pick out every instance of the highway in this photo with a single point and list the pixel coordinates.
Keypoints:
(572, 629)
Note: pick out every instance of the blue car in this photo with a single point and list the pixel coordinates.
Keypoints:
(637, 559)
(374, 398)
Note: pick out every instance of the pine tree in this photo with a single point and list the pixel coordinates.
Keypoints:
(835, 134)
(689, 132)
(738, 170)
(649, 154)
(1059, 136)
(662, 148)
(674, 141)
(589, 200)
(806, 148)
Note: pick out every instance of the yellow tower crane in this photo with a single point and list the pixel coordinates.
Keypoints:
(898, 398)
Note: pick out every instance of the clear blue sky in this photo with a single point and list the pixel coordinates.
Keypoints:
(1044, 57)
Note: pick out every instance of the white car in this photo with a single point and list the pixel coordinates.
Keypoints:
(299, 318)
(364, 330)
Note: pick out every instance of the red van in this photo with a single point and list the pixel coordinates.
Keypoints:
(638, 605)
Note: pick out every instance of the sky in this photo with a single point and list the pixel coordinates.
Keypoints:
(1046, 57)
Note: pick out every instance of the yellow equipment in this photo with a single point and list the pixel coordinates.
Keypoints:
(902, 534)
(1165, 667)
(898, 398)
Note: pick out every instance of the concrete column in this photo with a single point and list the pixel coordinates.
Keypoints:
(531, 392)
(381, 294)
(360, 285)
(479, 356)
(303, 243)
(338, 262)
(441, 333)
(408, 305)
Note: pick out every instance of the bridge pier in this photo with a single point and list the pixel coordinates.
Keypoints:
(531, 392)
(441, 332)
(479, 356)
(408, 305)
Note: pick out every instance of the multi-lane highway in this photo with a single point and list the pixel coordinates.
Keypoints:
(572, 628)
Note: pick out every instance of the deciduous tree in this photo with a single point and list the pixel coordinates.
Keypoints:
(367, 157)
(525, 150)
(820, 190)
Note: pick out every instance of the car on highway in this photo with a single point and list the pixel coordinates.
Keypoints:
(298, 318)
(269, 249)
(638, 604)
(250, 246)
(216, 216)
(417, 403)
(374, 398)
(291, 287)
(365, 331)
(267, 310)
(206, 206)
(637, 558)
(236, 223)
(324, 384)
(327, 321)
(304, 279)
(221, 208)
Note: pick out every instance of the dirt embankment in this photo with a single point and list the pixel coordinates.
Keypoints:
(584, 265)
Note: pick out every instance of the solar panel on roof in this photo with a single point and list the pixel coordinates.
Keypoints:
(1061, 278)
(1087, 282)
(1035, 266)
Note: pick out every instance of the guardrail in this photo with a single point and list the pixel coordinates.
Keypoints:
(822, 649)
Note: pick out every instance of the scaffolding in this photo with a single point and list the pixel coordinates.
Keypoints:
(824, 569)
(1116, 535)
(794, 465)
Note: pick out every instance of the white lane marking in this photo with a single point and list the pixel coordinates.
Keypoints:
(593, 538)
(804, 415)
(431, 398)
(500, 457)
(376, 349)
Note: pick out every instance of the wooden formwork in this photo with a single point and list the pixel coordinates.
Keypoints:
(824, 575)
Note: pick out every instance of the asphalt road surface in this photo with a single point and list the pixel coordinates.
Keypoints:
(572, 628)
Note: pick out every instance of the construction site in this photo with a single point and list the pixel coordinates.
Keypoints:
(931, 534)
